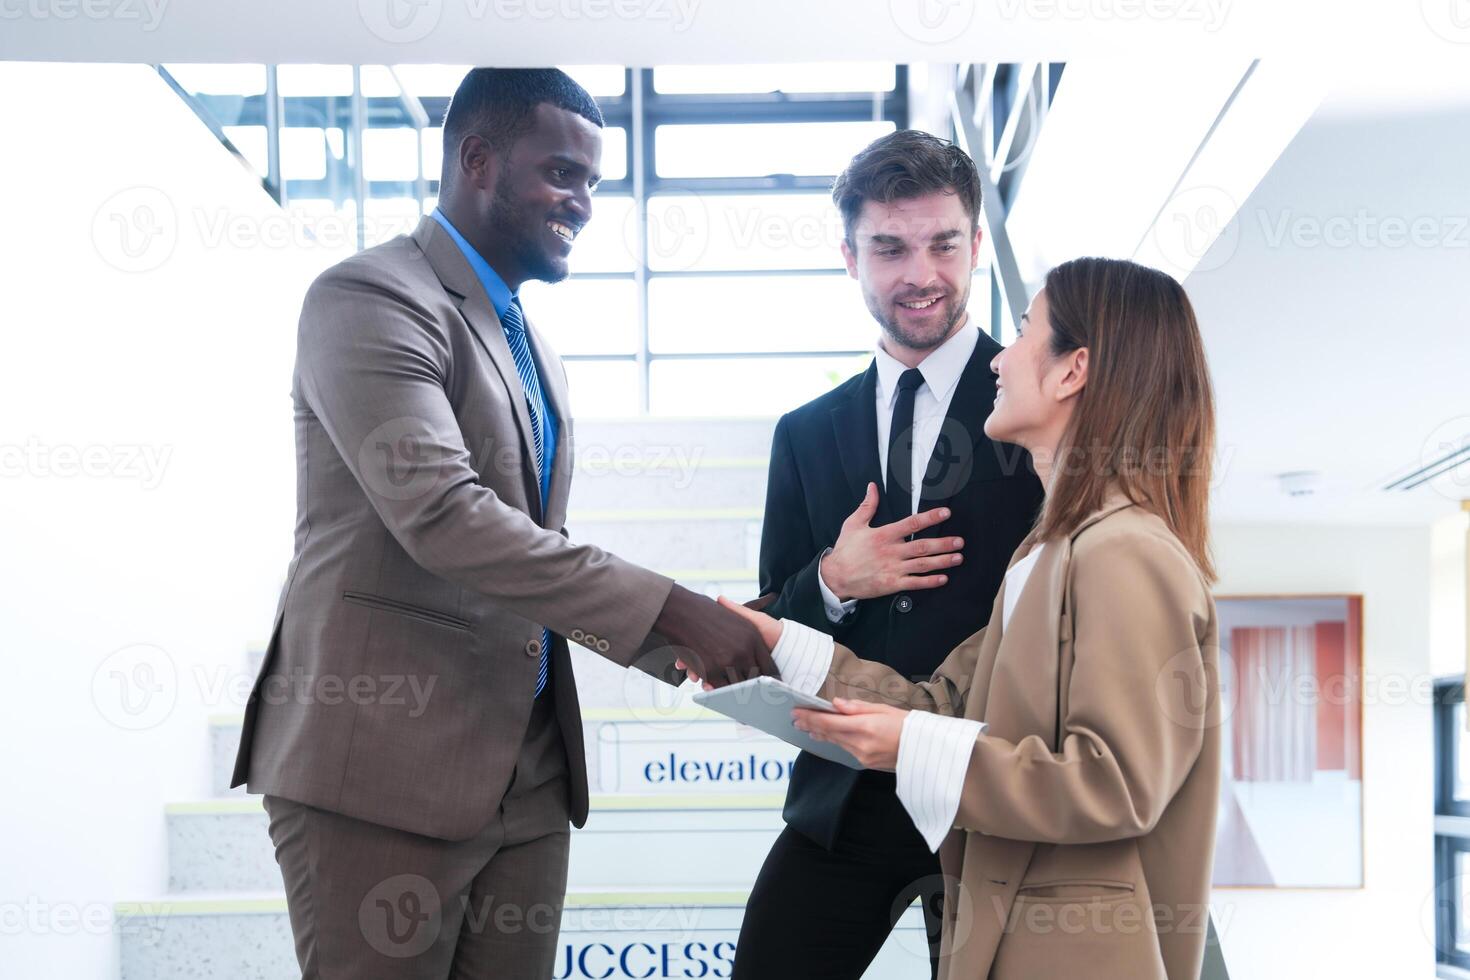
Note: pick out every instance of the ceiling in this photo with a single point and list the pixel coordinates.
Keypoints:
(1336, 311)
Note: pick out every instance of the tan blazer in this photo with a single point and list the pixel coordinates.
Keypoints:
(399, 677)
(1085, 833)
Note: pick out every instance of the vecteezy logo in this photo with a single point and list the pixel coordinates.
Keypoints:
(1449, 441)
(136, 687)
(932, 21)
(1197, 230)
(678, 230)
(396, 459)
(400, 21)
(136, 230)
(401, 917)
(1450, 19)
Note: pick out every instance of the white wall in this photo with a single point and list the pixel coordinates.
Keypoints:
(1449, 592)
(165, 374)
(1382, 930)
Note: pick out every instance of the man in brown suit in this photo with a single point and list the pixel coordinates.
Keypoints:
(426, 836)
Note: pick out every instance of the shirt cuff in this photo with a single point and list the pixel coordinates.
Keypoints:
(803, 656)
(837, 610)
(933, 756)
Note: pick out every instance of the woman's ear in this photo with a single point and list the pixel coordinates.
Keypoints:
(1075, 379)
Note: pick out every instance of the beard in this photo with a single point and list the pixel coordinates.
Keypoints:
(522, 230)
(928, 336)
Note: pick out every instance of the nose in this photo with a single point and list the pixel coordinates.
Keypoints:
(921, 271)
(995, 363)
(580, 204)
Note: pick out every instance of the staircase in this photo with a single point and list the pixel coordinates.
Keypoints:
(668, 779)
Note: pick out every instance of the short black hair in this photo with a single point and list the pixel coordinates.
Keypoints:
(905, 164)
(500, 104)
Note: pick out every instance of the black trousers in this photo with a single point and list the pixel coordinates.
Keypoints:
(816, 914)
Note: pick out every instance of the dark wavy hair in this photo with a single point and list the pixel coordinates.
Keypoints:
(906, 164)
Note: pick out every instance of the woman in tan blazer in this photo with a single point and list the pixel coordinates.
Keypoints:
(1076, 829)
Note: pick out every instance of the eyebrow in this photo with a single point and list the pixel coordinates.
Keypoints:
(941, 236)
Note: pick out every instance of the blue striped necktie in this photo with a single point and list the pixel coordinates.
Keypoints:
(520, 349)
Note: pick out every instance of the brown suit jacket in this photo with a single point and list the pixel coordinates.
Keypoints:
(1085, 833)
(399, 677)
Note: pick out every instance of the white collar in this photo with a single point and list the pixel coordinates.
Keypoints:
(941, 367)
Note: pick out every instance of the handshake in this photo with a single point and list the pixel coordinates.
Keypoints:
(724, 645)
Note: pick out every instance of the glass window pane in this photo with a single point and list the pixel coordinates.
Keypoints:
(219, 79)
(603, 389)
(303, 153)
(606, 243)
(433, 152)
(761, 149)
(387, 217)
(697, 314)
(377, 82)
(585, 316)
(733, 79)
(1462, 901)
(314, 79)
(744, 386)
(599, 80)
(390, 153)
(425, 81)
(743, 231)
(250, 141)
(614, 153)
(1462, 755)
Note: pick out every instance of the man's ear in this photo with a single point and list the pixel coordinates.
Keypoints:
(478, 162)
(850, 258)
(975, 248)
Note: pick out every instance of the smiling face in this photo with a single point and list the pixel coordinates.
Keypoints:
(541, 194)
(1036, 391)
(914, 258)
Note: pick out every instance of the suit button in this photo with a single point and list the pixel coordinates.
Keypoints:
(903, 604)
(533, 649)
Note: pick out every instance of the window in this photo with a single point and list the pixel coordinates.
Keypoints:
(710, 280)
(1451, 827)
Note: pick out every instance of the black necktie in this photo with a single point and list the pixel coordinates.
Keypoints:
(899, 495)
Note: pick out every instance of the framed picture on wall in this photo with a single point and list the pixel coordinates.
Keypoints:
(1291, 801)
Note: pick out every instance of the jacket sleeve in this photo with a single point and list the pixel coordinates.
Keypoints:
(944, 693)
(373, 366)
(790, 555)
(1127, 738)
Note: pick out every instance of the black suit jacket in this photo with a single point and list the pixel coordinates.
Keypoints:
(823, 455)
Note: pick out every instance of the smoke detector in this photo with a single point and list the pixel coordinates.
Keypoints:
(1302, 483)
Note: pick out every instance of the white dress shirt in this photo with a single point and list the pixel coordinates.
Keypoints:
(941, 370)
(933, 749)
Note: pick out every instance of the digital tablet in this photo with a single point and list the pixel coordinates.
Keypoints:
(766, 703)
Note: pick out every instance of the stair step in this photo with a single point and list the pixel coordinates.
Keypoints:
(223, 845)
(652, 933)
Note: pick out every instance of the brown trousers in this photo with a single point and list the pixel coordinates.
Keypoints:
(371, 901)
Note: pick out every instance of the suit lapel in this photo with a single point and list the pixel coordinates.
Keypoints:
(855, 424)
(962, 440)
(454, 271)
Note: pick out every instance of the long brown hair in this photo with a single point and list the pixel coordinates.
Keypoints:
(1145, 420)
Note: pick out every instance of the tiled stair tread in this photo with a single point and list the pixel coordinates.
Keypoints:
(600, 802)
